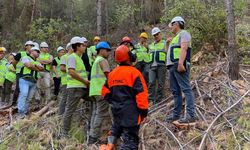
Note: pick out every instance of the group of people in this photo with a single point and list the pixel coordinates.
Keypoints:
(84, 73)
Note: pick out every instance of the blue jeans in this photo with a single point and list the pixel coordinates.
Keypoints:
(180, 82)
(27, 91)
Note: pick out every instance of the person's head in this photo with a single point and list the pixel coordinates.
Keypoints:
(96, 40)
(123, 56)
(60, 51)
(35, 52)
(28, 45)
(156, 32)
(103, 49)
(143, 37)
(177, 24)
(78, 44)
(44, 47)
(69, 48)
(11, 57)
(127, 41)
(2, 52)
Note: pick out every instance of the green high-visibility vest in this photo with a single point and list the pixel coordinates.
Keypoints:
(157, 52)
(26, 72)
(57, 59)
(175, 49)
(46, 57)
(98, 77)
(80, 69)
(141, 53)
(11, 73)
(19, 65)
(3, 70)
(91, 51)
(63, 74)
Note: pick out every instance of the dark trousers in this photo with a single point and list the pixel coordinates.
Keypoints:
(6, 90)
(17, 91)
(143, 67)
(180, 82)
(129, 135)
(57, 82)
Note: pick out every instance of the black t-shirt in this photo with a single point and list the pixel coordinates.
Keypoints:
(18, 57)
(54, 63)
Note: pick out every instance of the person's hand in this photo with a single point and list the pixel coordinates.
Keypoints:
(169, 39)
(181, 68)
(86, 82)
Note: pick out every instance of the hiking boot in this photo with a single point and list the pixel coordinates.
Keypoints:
(188, 120)
(171, 118)
(92, 140)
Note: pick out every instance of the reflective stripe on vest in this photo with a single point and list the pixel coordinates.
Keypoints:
(57, 59)
(98, 77)
(11, 74)
(141, 53)
(46, 57)
(80, 69)
(175, 49)
(19, 65)
(3, 70)
(63, 74)
(26, 72)
(157, 52)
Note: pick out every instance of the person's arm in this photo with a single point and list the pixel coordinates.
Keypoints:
(76, 76)
(105, 67)
(63, 68)
(63, 64)
(39, 67)
(185, 40)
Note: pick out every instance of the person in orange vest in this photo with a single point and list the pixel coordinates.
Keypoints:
(126, 91)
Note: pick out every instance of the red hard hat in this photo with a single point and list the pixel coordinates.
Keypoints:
(126, 39)
(121, 54)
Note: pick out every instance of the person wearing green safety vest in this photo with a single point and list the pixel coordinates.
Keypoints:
(10, 78)
(77, 82)
(3, 69)
(64, 71)
(91, 51)
(18, 64)
(178, 63)
(44, 81)
(27, 81)
(99, 74)
(56, 70)
(143, 58)
(157, 71)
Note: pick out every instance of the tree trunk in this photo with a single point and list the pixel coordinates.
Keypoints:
(72, 10)
(33, 10)
(99, 17)
(233, 71)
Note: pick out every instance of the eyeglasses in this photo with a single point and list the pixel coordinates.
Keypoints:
(156, 34)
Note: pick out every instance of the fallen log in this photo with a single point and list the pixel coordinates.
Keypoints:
(45, 108)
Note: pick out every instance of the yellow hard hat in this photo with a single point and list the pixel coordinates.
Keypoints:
(144, 35)
(2, 49)
(97, 38)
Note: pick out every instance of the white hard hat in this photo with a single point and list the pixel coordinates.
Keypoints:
(77, 39)
(36, 44)
(29, 43)
(35, 48)
(59, 48)
(84, 39)
(176, 19)
(68, 46)
(44, 44)
(155, 30)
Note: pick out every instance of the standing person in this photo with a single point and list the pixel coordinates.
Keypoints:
(45, 77)
(56, 70)
(64, 71)
(91, 51)
(99, 74)
(178, 63)
(28, 45)
(27, 81)
(142, 55)
(126, 91)
(10, 78)
(157, 71)
(3, 63)
(77, 83)
(128, 42)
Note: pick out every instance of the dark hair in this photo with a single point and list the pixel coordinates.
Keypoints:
(74, 46)
(181, 24)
